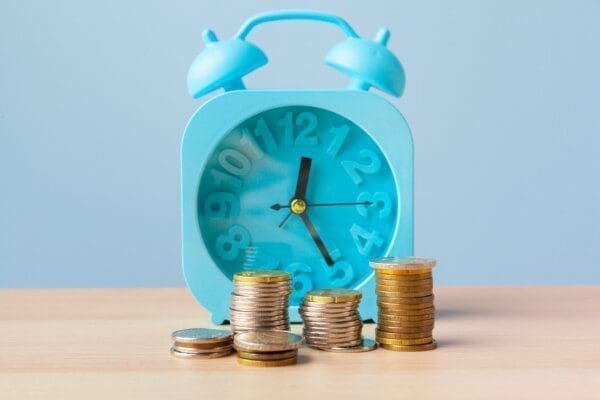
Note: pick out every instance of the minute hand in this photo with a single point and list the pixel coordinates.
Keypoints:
(278, 206)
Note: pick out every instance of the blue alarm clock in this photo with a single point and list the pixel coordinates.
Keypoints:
(312, 182)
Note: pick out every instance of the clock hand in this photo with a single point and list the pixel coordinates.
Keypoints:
(278, 206)
(302, 182)
(285, 219)
(316, 238)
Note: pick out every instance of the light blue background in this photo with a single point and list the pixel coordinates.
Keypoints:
(503, 99)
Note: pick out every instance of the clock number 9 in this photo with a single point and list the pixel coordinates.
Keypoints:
(308, 122)
(371, 165)
(221, 205)
(365, 240)
(229, 245)
(301, 281)
(381, 202)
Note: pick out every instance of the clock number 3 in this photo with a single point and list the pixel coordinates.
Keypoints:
(371, 164)
(380, 202)
(365, 240)
(229, 245)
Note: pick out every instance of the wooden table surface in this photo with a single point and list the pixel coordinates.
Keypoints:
(495, 343)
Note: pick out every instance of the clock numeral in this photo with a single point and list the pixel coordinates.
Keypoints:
(371, 165)
(340, 133)
(382, 204)
(234, 162)
(301, 280)
(248, 142)
(365, 240)
(221, 205)
(222, 179)
(262, 131)
(341, 273)
(307, 121)
(229, 245)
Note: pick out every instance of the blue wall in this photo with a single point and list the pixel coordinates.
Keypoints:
(503, 99)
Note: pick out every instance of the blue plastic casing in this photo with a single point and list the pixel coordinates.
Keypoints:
(205, 275)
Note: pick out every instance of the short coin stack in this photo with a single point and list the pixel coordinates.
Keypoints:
(201, 343)
(332, 322)
(267, 348)
(405, 300)
(260, 300)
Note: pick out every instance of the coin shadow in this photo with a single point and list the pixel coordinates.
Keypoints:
(304, 359)
(450, 313)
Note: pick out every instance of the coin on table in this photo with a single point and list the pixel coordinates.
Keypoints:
(201, 335)
(392, 278)
(418, 347)
(267, 363)
(405, 342)
(202, 350)
(366, 345)
(188, 356)
(275, 355)
(267, 341)
(262, 276)
(333, 296)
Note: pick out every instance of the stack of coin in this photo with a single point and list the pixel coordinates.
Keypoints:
(202, 343)
(267, 348)
(332, 322)
(405, 300)
(260, 301)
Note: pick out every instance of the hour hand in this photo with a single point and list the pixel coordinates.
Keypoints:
(316, 238)
(302, 182)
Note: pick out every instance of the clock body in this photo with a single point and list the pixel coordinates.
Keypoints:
(240, 159)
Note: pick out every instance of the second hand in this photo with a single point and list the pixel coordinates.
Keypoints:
(278, 206)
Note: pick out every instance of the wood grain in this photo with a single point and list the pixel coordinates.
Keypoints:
(495, 343)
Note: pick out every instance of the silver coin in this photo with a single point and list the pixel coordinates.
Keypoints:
(242, 307)
(255, 313)
(260, 322)
(311, 313)
(329, 306)
(366, 345)
(332, 320)
(332, 337)
(201, 335)
(180, 354)
(267, 341)
(199, 350)
(341, 343)
(257, 299)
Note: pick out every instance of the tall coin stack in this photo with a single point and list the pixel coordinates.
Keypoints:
(260, 301)
(405, 300)
(331, 320)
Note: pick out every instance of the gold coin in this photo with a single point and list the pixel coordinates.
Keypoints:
(393, 308)
(407, 300)
(389, 277)
(267, 363)
(406, 312)
(417, 347)
(403, 294)
(180, 354)
(333, 296)
(405, 283)
(405, 342)
(402, 263)
(412, 329)
(267, 341)
(262, 276)
(394, 335)
(276, 355)
(405, 318)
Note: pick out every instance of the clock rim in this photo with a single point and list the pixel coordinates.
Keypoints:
(207, 127)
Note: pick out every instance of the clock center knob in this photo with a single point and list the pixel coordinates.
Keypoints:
(298, 206)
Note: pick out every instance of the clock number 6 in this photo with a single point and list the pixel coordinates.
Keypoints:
(228, 245)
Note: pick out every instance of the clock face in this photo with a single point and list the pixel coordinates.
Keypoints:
(300, 189)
